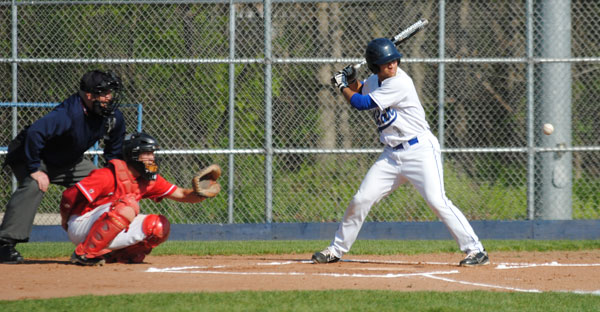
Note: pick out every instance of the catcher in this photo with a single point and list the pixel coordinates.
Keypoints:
(101, 213)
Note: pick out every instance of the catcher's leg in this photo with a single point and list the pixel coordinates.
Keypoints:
(156, 228)
(104, 230)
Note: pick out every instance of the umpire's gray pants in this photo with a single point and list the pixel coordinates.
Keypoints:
(24, 202)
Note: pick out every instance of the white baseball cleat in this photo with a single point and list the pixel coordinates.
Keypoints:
(325, 256)
(475, 258)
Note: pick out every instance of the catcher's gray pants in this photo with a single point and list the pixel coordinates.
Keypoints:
(23, 204)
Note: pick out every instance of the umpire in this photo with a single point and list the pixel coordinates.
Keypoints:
(51, 151)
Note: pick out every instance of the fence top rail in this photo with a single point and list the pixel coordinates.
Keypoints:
(115, 2)
(48, 104)
(298, 60)
(353, 150)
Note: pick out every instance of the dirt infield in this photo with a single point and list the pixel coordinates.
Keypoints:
(508, 271)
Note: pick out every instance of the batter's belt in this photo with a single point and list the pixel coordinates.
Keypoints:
(410, 142)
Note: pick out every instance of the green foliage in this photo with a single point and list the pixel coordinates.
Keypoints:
(497, 199)
(322, 188)
(586, 197)
(318, 188)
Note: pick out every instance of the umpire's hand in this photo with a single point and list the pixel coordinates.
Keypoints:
(42, 180)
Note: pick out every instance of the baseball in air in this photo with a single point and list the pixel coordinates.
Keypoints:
(548, 129)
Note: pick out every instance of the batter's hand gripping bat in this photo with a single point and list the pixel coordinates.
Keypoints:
(402, 36)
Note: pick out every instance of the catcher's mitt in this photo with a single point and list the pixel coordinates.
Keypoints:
(205, 182)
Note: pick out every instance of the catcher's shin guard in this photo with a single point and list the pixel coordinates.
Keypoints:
(107, 227)
(156, 228)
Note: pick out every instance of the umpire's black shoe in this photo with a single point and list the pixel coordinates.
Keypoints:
(83, 260)
(475, 258)
(8, 254)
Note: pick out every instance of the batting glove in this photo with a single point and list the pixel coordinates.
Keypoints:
(339, 80)
(350, 73)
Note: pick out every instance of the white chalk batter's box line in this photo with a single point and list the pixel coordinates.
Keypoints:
(431, 275)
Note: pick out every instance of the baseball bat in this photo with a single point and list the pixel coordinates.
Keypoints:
(402, 36)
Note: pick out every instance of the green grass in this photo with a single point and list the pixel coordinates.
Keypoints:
(338, 300)
(361, 247)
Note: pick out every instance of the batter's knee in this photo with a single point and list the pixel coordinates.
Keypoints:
(359, 200)
(440, 205)
(156, 228)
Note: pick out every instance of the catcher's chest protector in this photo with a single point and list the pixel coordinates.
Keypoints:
(126, 183)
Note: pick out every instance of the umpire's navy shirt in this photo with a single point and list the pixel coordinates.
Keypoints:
(62, 136)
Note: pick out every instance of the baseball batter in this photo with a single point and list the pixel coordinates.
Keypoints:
(411, 153)
(101, 212)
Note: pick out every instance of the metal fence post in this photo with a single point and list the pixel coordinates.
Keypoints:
(441, 74)
(268, 116)
(530, 115)
(231, 169)
(554, 106)
(15, 97)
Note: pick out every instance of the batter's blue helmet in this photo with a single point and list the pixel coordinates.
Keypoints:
(381, 51)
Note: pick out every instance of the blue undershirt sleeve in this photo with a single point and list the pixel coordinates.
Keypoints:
(362, 102)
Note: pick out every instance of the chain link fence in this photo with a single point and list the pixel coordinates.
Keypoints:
(245, 84)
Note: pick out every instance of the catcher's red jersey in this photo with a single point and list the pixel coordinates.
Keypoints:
(101, 187)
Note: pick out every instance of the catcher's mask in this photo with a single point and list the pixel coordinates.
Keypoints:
(99, 83)
(133, 145)
(381, 51)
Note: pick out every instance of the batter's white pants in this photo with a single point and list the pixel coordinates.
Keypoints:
(419, 164)
(79, 228)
